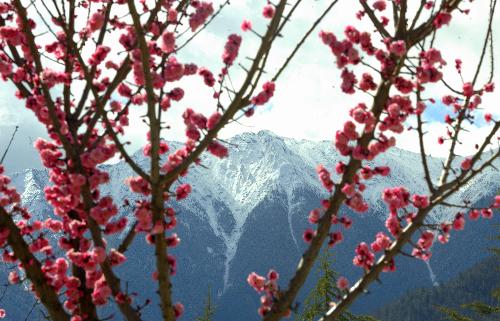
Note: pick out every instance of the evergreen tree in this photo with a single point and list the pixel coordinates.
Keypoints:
(479, 309)
(209, 310)
(325, 291)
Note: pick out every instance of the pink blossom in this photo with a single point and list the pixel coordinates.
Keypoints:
(466, 164)
(173, 70)
(432, 56)
(342, 283)
(357, 203)
(172, 15)
(487, 213)
(99, 254)
(459, 222)
(398, 48)
(442, 18)
(192, 132)
(382, 170)
(328, 38)
(335, 238)
(203, 11)
(468, 90)
(231, 49)
(403, 85)
(116, 258)
(96, 21)
(13, 277)
(308, 235)
(428, 73)
(139, 185)
(347, 222)
(246, 25)
(380, 5)
(176, 94)
(489, 87)
(272, 275)
(348, 81)
(213, 120)
(218, 150)
(168, 42)
(350, 130)
(99, 55)
(420, 201)
(194, 119)
(190, 69)
(207, 75)
(397, 197)
(393, 225)
(324, 177)
(266, 94)
(340, 168)
(178, 309)
(352, 34)
(367, 82)
(182, 191)
(256, 281)
(268, 11)
(11, 34)
(426, 240)
(382, 242)
(496, 204)
(474, 214)
(349, 190)
(364, 257)
(314, 216)
(421, 254)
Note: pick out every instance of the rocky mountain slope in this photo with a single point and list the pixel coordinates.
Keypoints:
(247, 213)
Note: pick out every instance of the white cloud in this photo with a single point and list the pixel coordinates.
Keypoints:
(308, 102)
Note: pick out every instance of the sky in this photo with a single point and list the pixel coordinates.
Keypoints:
(308, 103)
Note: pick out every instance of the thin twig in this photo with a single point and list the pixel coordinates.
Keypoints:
(8, 145)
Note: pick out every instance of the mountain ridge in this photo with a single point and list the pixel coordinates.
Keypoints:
(263, 191)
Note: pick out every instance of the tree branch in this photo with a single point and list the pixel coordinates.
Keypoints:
(8, 145)
(33, 268)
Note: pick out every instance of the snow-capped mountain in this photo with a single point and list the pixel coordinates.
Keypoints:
(248, 211)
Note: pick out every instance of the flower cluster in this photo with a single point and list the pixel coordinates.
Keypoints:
(266, 94)
(203, 10)
(269, 287)
(324, 177)
(231, 49)
(424, 244)
(427, 71)
(168, 42)
(364, 257)
(397, 197)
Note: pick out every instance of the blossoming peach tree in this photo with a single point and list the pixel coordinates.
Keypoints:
(80, 65)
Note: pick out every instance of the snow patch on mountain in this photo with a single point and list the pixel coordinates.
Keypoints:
(258, 165)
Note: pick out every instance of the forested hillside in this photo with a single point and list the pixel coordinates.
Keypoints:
(474, 284)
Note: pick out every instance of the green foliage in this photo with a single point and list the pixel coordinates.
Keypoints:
(453, 315)
(480, 309)
(474, 284)
(351, 317)
(496, 294)
(209, 310)
(326, 291)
